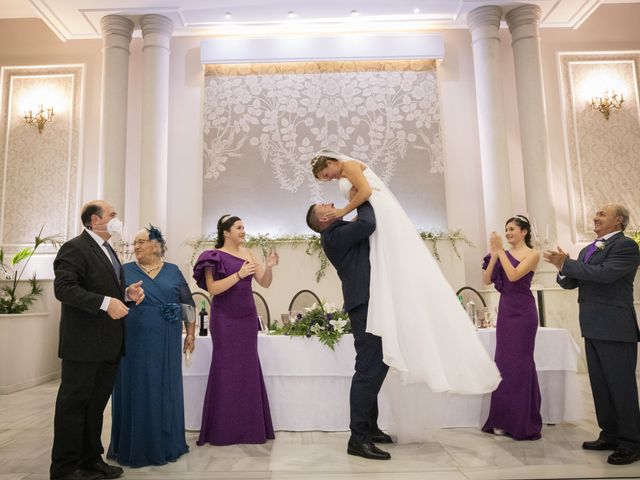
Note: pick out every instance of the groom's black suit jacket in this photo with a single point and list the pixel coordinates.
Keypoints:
(346, 245)
(83, 277)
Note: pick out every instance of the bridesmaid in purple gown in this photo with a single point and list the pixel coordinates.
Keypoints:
(236, 408)
(515, 404)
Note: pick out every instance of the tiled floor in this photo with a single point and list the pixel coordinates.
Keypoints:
(26, 420)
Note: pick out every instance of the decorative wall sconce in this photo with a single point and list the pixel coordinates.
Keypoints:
(607, 102)
(40, 118)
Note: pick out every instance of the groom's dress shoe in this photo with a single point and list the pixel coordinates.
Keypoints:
(381, 437)
(79, 474)
(367, 450)
(622, 456)
(599, 445)
(104, 469)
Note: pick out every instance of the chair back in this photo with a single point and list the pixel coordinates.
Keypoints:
(302, 300)
(263, 310)
(473, 302)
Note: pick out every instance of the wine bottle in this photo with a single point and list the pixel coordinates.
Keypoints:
(203, 319)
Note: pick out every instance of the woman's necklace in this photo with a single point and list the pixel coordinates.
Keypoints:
(150, 270)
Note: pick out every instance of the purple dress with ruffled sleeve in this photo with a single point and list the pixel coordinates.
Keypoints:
(515, 404)
(236, 408)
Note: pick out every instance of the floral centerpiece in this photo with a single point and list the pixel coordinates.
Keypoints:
(323, 320)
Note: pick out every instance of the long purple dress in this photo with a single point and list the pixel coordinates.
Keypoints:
(515, 404)
(236, 408)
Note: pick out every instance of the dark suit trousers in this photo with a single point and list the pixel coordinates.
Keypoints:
(367, 380)
(612, 373)
(83, 395)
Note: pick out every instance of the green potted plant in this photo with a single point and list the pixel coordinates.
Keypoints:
(10, 301)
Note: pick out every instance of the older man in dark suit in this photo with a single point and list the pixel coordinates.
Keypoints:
(346, 245)
(604, 274)
(89, 282)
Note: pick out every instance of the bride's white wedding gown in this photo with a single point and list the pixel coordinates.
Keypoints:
(426, 334)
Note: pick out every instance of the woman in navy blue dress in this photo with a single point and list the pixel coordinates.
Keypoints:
(148, 407)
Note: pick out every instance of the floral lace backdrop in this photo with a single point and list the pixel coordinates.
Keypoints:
(264, 122)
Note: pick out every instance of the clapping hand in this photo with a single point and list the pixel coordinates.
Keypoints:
(135, 292)
(556, 258)
(495, 243)
(272, 259)
(248, 268)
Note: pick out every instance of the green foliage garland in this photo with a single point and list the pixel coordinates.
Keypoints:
(313, 246)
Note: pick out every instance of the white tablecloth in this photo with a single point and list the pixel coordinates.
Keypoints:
(308, 386)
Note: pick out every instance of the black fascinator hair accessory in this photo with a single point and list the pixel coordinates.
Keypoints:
(156, 234)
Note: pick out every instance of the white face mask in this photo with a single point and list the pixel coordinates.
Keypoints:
(114, 227)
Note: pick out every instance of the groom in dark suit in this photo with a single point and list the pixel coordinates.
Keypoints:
(603, 274)
(346, 245)
(89, 282)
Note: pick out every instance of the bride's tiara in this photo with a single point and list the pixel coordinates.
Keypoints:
(328, 153)
(522, 218)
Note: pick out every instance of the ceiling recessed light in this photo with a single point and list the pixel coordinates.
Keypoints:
(355, 13)
(416, 10)
(227, 15)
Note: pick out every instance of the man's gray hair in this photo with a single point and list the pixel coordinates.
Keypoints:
(622, 211)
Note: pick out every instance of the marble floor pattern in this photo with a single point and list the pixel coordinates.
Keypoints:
(26, 425)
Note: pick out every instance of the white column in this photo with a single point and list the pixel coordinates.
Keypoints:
(156, 32)
(523, 24)
(116, 35)
(484, 23)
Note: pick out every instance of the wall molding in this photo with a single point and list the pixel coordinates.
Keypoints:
(601, 156)
(40, 173)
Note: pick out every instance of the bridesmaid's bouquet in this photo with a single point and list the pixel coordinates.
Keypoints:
(323, 320)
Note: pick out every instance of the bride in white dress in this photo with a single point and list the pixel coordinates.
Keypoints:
(426, 334)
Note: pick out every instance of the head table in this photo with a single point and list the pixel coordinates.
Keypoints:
(308, 386)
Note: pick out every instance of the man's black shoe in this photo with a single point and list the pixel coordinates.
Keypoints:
(79, 474)
(367, 450)
(622, 456)
(381, 437)
(106, 470)
(599, 445)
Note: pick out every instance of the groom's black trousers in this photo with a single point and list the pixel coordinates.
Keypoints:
(366, 382)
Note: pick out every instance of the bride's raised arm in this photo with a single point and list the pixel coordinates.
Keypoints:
(352, 171)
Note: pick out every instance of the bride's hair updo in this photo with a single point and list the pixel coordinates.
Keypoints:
(224, 225)
(319, 163)
(320, 160)
(523, 223)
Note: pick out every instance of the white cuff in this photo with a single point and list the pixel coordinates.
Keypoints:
(105, 304)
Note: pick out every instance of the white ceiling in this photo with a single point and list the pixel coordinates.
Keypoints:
(78, 19)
